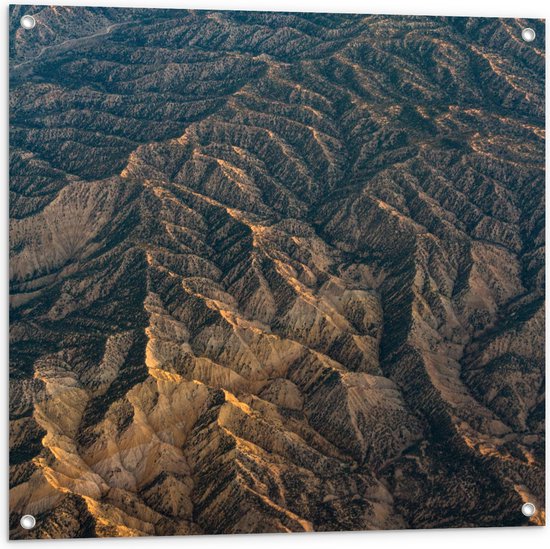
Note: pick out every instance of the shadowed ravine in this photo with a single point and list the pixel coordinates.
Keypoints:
(274, 272)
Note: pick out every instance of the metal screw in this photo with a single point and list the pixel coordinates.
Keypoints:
(528, 34)
(28, 522)
(28, 22)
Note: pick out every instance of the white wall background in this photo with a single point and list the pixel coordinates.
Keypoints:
(488, 538)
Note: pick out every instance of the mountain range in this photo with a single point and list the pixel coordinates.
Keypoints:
(274, 272)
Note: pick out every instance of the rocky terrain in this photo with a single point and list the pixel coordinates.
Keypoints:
(274, 272)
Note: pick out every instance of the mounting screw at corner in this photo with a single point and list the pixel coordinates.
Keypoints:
(28, 22)
(28, 522)
(528, 34)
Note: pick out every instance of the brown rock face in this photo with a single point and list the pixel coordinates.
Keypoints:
(274, 272)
